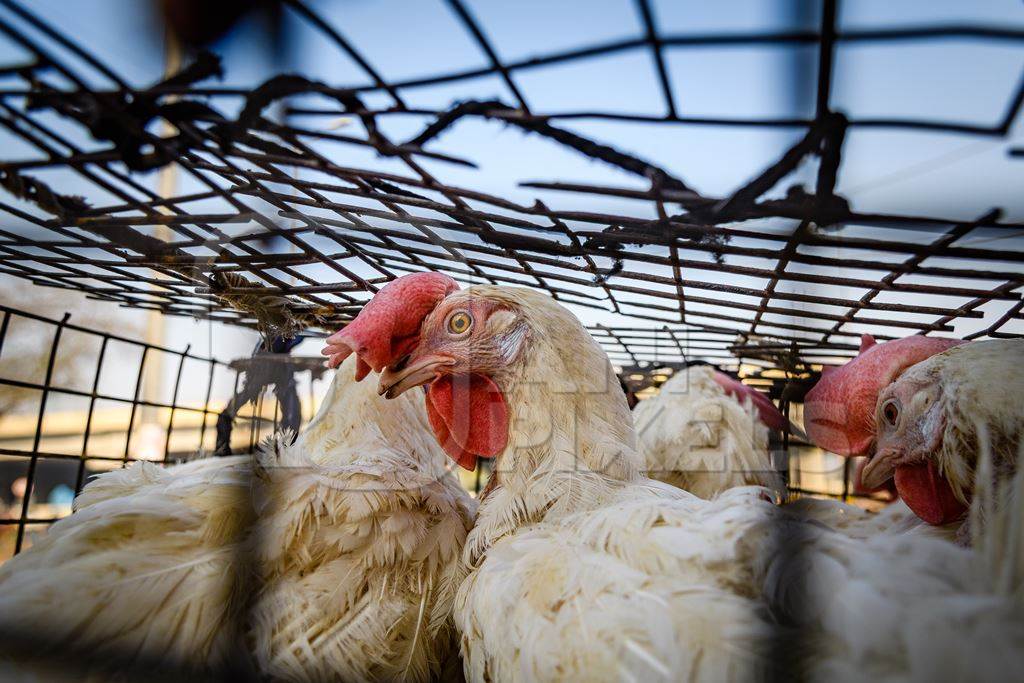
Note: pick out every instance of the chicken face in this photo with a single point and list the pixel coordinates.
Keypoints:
(839, 412)
(464, 335)
(388, 326)
(911, 426)
(466, 346)
(420, 330)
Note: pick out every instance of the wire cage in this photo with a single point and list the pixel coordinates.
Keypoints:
(285, 225)
(277, 231)
(50, 452)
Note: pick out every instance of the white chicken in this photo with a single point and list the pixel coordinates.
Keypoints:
(696, 436)
(332, 557)
(919, 418)
(899, 602)
(579, 568)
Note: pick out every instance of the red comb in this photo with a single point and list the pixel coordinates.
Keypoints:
(388, 326)
(839, 412)
(767, 411)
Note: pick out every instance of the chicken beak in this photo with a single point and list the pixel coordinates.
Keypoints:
(879, 469)
(399, 378)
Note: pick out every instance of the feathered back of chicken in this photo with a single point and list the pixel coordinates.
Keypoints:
(352, 418)
(359, 528)
(146, 569)
(696, 437)
(335, 551)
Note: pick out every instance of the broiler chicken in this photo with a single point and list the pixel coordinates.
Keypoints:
(881, 599)
(923, 420)
(580, 568)
(696, 436)
(332, 557)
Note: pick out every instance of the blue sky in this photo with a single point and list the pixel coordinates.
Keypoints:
(960, 80)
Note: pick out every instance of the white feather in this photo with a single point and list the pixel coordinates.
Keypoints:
(695, 436)
(579, 568)
(351, 533)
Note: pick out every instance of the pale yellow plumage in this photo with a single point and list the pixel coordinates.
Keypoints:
(694, 436)
(580, 568)
(885, 598)
(333, 555)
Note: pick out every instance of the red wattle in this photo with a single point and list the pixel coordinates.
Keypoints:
(928, 494)
(462, 457)
(469, 417)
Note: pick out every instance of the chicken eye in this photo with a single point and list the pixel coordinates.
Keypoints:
(891, 412)
(460, 322)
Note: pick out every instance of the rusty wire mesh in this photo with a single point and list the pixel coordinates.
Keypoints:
(299, 240)
(48, 448)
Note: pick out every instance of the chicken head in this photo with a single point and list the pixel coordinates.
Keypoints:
(839, 412)
(466, 345)
(421, 330)
(910, 429)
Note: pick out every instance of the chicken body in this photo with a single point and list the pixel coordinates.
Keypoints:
(580, 568)
(142, 570)
(696, 437)
(331, 557)
(894, 606)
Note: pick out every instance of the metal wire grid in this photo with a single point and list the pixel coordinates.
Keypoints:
(362, 227)
(707, 266)
(179, 441)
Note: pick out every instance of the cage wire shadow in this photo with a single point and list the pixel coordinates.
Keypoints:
(362, 227)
